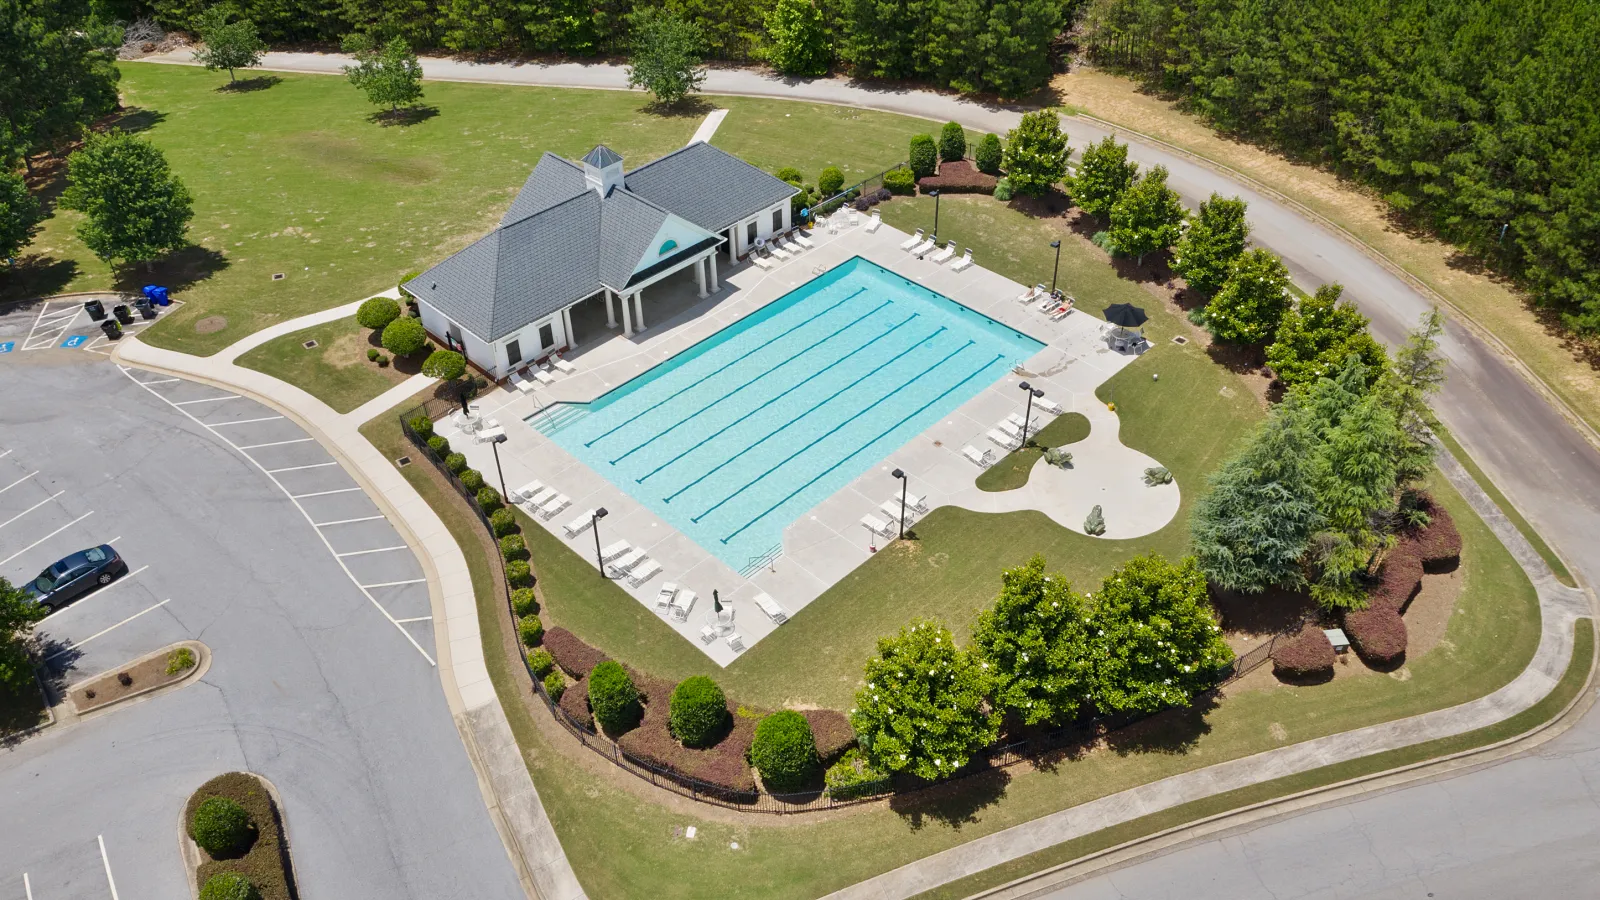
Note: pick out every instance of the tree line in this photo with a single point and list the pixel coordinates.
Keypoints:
(1479, 119)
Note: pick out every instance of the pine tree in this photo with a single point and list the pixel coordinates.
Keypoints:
(1036, 152)
(1213, 241)
(1148, 217)
(1252, 301)
(1417, 375)
(1034, 643)
(1104, 173)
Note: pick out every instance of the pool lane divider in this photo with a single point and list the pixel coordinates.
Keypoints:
(807, 380)
(808, 411)
(723, 368)
(881, 435)
(841, 330)
(835, 429)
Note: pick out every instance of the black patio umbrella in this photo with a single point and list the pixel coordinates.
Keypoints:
(716, 603)
(1126, 315)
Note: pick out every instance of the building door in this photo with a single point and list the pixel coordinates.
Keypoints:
(452, 333)
(750, 235)
(513, 353)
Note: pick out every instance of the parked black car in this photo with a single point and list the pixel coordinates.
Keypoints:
(75, 576)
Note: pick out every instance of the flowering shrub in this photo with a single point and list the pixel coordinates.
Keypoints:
(1154, 637)
(1308, 653)
(1034, 643)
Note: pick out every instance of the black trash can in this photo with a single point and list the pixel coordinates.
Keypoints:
(146, 309)
(96, 310)
(111, 328)
(122, 314)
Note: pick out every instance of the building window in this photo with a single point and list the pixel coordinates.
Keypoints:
(777, 220)
(513, 353)
(547, 336)
(667, 247)
(750, 233)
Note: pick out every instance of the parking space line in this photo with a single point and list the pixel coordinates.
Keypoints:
(107, 860)
(103, 631)
(201, 400)
(297, 505)
(297, 468)
(394, 583)
(100, 593)
(7, 453)
(325, 493)
(27, 888)
(19, 480)
(272, 444)
(159, 381)
(364, 552)
(417, 619)
(244, 421)
(31, 508)
(46, 537)
(343, 522)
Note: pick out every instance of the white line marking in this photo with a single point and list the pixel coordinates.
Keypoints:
(244, 421)
(296, 469)
(31, 508)
(46, 537)
(107, 860)
(159, 381)
(7, 453)
(364, 552)
(26, 887)
(58, 315)
(324, 538)
(201, 400)
(394, 583)
(19, 480)
(103, 631)
(98, 593)
(417, 619)
(343, 522)
(272, 444)
(325, 493)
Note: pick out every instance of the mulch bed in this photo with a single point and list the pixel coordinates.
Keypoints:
(143, 675)
(266, 863)
(958, 177)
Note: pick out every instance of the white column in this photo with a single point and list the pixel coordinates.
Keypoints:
(638, 306)
(566, 326)
(733, 245)
(713, 262)
(700, 276)
(611, 315)
(627, 317)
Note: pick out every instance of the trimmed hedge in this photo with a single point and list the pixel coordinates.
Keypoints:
(784, 751)
(404, 337)
(530, 630)
(440, 445)
(573, 656)
(698, 711)
(377, 313)
(1439, 544)
(489, 499)
(958, 177)
(228, 886)
(472, 480)
(1399, 580)
(523, 602)
(830, 181)
(266, 864)
(832, 731)
(518, 574)
(575, 700)
(541, 663)
(988, 154)
(952, 142)
(613, 697)
(555, 684)
(222, 828)
(1307, 653)
(456, 463)
(512, 548)
(900, 181)
(1379, 635)
(924, 156)
(504, 522)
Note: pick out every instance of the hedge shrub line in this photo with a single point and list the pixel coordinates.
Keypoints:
(575, 700)
(266, 864)
(524, 602)
(1439, 543)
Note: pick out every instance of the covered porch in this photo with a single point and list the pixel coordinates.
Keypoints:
(658, 299)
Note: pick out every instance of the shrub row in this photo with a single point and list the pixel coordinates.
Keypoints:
(958, 177)
(575, 700)
(1399, 580)
(1378, 634)
(723, 764)
(872, 198)
(264, 864)
(1307, 653)
(831, 730)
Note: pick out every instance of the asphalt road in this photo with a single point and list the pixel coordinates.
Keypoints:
(321, 679)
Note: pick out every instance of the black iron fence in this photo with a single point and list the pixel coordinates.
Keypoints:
(867, 186)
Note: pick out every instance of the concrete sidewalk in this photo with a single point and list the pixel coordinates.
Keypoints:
(513, 801)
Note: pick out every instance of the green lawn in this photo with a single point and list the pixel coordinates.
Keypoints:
(1013, 469)
(337, 370)
(296, 180)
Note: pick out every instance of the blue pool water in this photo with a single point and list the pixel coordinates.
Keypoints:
(736, 437)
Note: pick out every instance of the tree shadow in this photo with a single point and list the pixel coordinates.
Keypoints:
(687, 108)
(1240, 359)
(1273, 611)
(953, 804)
(135, 119)
(404, 117)
(34, 276)
(1173, 731)
(250, 85)
(180, 269)
(1309, 679)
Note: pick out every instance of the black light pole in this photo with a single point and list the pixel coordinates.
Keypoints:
(1028, 416)
(935, 196)
(900, 474)
(1057, 270)
(495, 446)
(594, 524)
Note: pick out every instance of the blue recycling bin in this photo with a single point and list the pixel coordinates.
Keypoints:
(157, 294)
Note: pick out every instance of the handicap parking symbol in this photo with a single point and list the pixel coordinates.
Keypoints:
(74, 341)
(7, 346)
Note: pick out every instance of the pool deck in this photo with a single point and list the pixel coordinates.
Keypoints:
(829, 541)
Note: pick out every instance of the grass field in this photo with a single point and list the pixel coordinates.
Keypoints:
(337, 370)
(1013, 469)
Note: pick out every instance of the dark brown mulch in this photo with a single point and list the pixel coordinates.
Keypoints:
(958, 177)
(107, 688)
(723, 764)
(266, 863)
(575, 657)
(832, 732)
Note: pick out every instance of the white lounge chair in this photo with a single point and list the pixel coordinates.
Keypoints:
(1010, 429)
(804, 241)
(923, 249)
(628, 560)
(876, 525)
(736, 642)
(912, 241)
(565, 366)
(1004, 440)
(527, 491)
(963, 262)
(541, 497)
(855, 216)
(543, 376)
(1049, 406)
(1016, 419)
(554, 505)
(644, 573)
(981, 458)
(891, 508)
(760, 261)
(485, 435)
(708, 635)
(779, 252)
(615, 550)
(523, 385)
(948, 251)
(873, 221)
(771, 608)
(664, 596)
(682, 603)
(1048, 302)
(1060, 312)
(580, 524)
(1032, 294)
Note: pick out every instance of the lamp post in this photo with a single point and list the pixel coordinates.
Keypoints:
(1057, 270)
(900, 474)
(1027, 416)
(594, 525)
(935, 196)
(495, 446)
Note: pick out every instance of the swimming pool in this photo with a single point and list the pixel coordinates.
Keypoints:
(734, 438)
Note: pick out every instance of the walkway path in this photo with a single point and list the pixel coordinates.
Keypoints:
(708, 128)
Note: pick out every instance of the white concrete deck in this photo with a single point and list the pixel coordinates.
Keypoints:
(827, 542)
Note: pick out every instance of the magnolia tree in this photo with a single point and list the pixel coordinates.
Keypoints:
(1155, 640)
(1103, 174)
(924, 709)
(1034, 642)
(1035, 153)
(1252, 301)
(1316, 336)
(1148, 217)
(1214, 240)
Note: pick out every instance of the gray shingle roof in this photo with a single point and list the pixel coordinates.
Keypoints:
(553, 180)
(707, 186)
(627, 225)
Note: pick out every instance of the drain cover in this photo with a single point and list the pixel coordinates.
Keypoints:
(310, 345)
(1180, 339)
(277, 276)
(403, 461)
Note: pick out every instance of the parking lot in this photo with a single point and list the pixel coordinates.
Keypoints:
(35, 325)
(240, 531)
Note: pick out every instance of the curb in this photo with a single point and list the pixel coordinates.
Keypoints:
(201, 666)
(189, 851)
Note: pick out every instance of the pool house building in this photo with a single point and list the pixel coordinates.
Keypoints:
(584, 241)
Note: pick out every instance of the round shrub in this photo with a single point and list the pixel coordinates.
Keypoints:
(512, 547)
(503, 521)
(377, 313)
(222, 828)
(987, 156)
(830, 181)
(899, 181)
(530, 630)
(861, 204)
(882, 195)
(541, 663)
(229, 886)
(1308, 653)
(422, 425)
(382, 361)
(784, 751)
(924, 156)
(555, 685)
(613, 697)
(952, 142)
(456, 463)
(373, 354)
(791, 175)
(403, 337)
(445, 365)
(519, 574)
(1002, 190)
(523, 602)
(472, 480)
(439, 444)
(1379, 635)
(489, 499)
(698, 711)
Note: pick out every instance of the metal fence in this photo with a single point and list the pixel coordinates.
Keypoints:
(853, 191)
